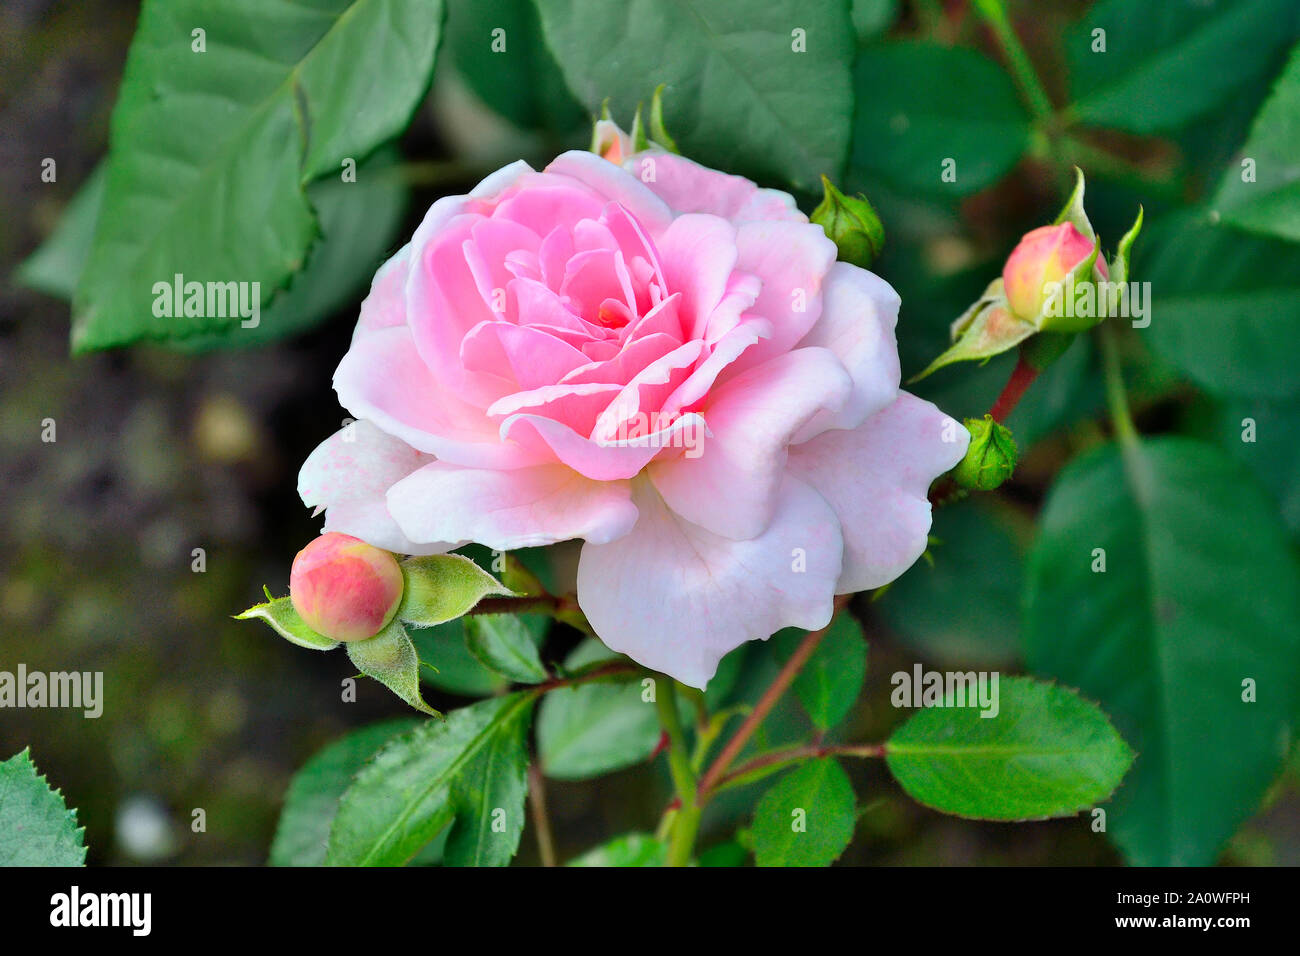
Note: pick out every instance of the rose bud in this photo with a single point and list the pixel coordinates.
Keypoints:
(851, 224)
(345, 589)
(990, 457)
(1044, 256)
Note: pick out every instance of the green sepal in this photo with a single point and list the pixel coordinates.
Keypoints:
(442, 587)
(640, 142)
(285, 621)
(659, 132)
(1119, 265)
(389, 657)
(1074, 213)
(990, 331)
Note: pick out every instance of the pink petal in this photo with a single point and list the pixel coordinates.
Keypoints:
(383, 379)
(524, 354)
(507, 510)
(385, 306)
(677, 599)
(876, 477)
(349, 474)
(614, 184)
(731, 489)
(698, 254)
(687, 186)
(859, 313)
(574, 405)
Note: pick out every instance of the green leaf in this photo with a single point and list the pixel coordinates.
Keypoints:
(1046, 752)
(829, 684)
(452, 667)
(920, 105)
(488, 795)
(389, 657)
(1200, 593)
(962, 608)
(1163, 60)
(873, 17)
(442, 771)
(55, 267)
(739, 97)
(36, 826)
(442, 587)
(591, 729)
(512, 71)
(358, 222)
(1271, 452)
(631, 849)
(1270, 202)
(807, 818)
(313, 795)
(1226, 307)
(285, 621)
(502, 643)
(210, 150)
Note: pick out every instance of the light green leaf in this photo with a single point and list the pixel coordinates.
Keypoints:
(313, 795)
(738, 96)
(1162, 62)
(285, 621)
(591, 729)
(36, 826)
(923, 109)
(1225, 307)
(389, 657)
(631, 849)
(1046, 752)
(502, 643)
(829, 684)
(1269, 202)
(442, 587)
(807, 818)
(1201, 593)
(55, 267)
(209, 151)
(403, 798)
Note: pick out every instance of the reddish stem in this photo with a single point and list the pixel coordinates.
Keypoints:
(1022, 376)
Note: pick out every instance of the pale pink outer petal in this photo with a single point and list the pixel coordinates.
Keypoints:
(506, 510)
(385, 306)
(732, 488)
(859, 314)
(349, 475)
(877, 477)
(689, 187)
(676, 598)
(383, 379)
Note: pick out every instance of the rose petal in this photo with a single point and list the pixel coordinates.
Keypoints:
(687, 187)
(876, 477)
(677, 599)
(349, 475)
(507, 510)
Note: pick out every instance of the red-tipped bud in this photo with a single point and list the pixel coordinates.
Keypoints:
(345, 589)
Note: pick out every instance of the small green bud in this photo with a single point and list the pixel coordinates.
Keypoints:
(990, 458)
(851, 224)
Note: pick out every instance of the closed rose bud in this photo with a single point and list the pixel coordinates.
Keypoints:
(1044, 256)
(345, 589)
(990, 457)
(851, 224)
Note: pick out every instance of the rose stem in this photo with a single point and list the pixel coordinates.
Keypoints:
(541, 820)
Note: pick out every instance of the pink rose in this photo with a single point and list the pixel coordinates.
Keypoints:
(344, 589)
(661, 359)
(1043, 256)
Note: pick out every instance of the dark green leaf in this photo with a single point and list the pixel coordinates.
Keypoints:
(1263, 436)
(807, 818)
(910, 119)
(1225, 307)
(739, 97)
(1162, 65)
(1269, 201)
(829, 684)
(313, 795)
(1045, 752)
(413, 789)
(1200, 594)
(36, 826)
